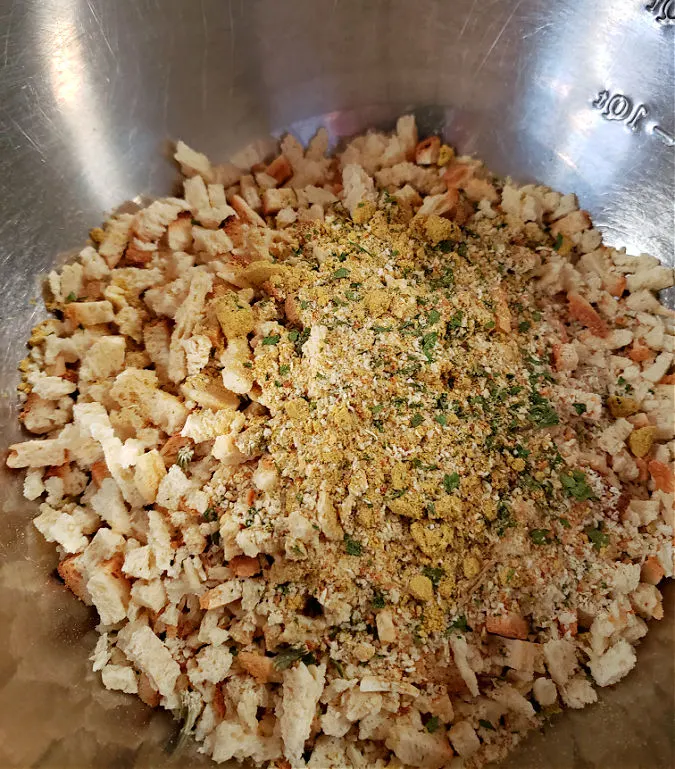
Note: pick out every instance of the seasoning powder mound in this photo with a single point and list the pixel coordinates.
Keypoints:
(356, 457)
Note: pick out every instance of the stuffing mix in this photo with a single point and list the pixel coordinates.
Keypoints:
(364, 459)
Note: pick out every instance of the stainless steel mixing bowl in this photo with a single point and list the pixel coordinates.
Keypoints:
(577, 94)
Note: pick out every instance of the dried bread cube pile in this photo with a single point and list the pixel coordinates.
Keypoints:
(363, 459)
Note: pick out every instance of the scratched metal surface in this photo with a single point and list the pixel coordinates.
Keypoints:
(574, 93)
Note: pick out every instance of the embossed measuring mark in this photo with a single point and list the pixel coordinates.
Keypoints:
(620, 108)
(662, 10)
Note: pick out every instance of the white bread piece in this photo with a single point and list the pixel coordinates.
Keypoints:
(56, 526)
(358, 187)
(653, 278)
(117, 233)
(545, 692)
(647, 601)
(460, 652)
(659, 368)
(208, 392)
(51, 388)
(334, 723)
(209, 631)
(68, 284)
(274, 200)
(192, 162)
(197, 350)
(102, 653)
(357, 704)
(150, 223)
(151, 594)
(172, 488)
(119, 677)
(211, 242)
(33, 487)
(464, 739)
(138, 387)
(109, 504)
(327, 517)
(40, 416)
(93, 264)
(302, 687)
(109, 594)
(148, 474)
(205, 425)
(179, 234)
(414, 746)
(139, 563)
(513, 701)
(159, 540)
(406, 132)
(212, 665)
(157, 338)
(103, 546)
(265, 477)
(613, 438)
(222, 595)
(578, 693)
(89, 313)
(386, 631)
(225, 450)
(232, 740)
(609, 668)
(36, 454)
(561, 660)
(521, 655)
(147, 652)
(104, 359)
(186, 318)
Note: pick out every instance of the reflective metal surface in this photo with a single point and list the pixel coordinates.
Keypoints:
(577, 94)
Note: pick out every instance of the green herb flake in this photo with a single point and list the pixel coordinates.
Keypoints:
(72, 297)
(451, 482)
(433, 724)
(287, 657)
(441, 419)
(271, 340)
(597, 536)
(486, 724)
(343, 272)
(434, 573)
(524, 326)
(580, 408)
(456, 320)
(339, 669)
(541, 413)
(352, 546)
(433, 317)
(284, 369)
(378, 601)
(416, 420)
(541, 536)
(558, 241)
(565, 523)
(428, 343)
(575, 485)
(459, 623)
